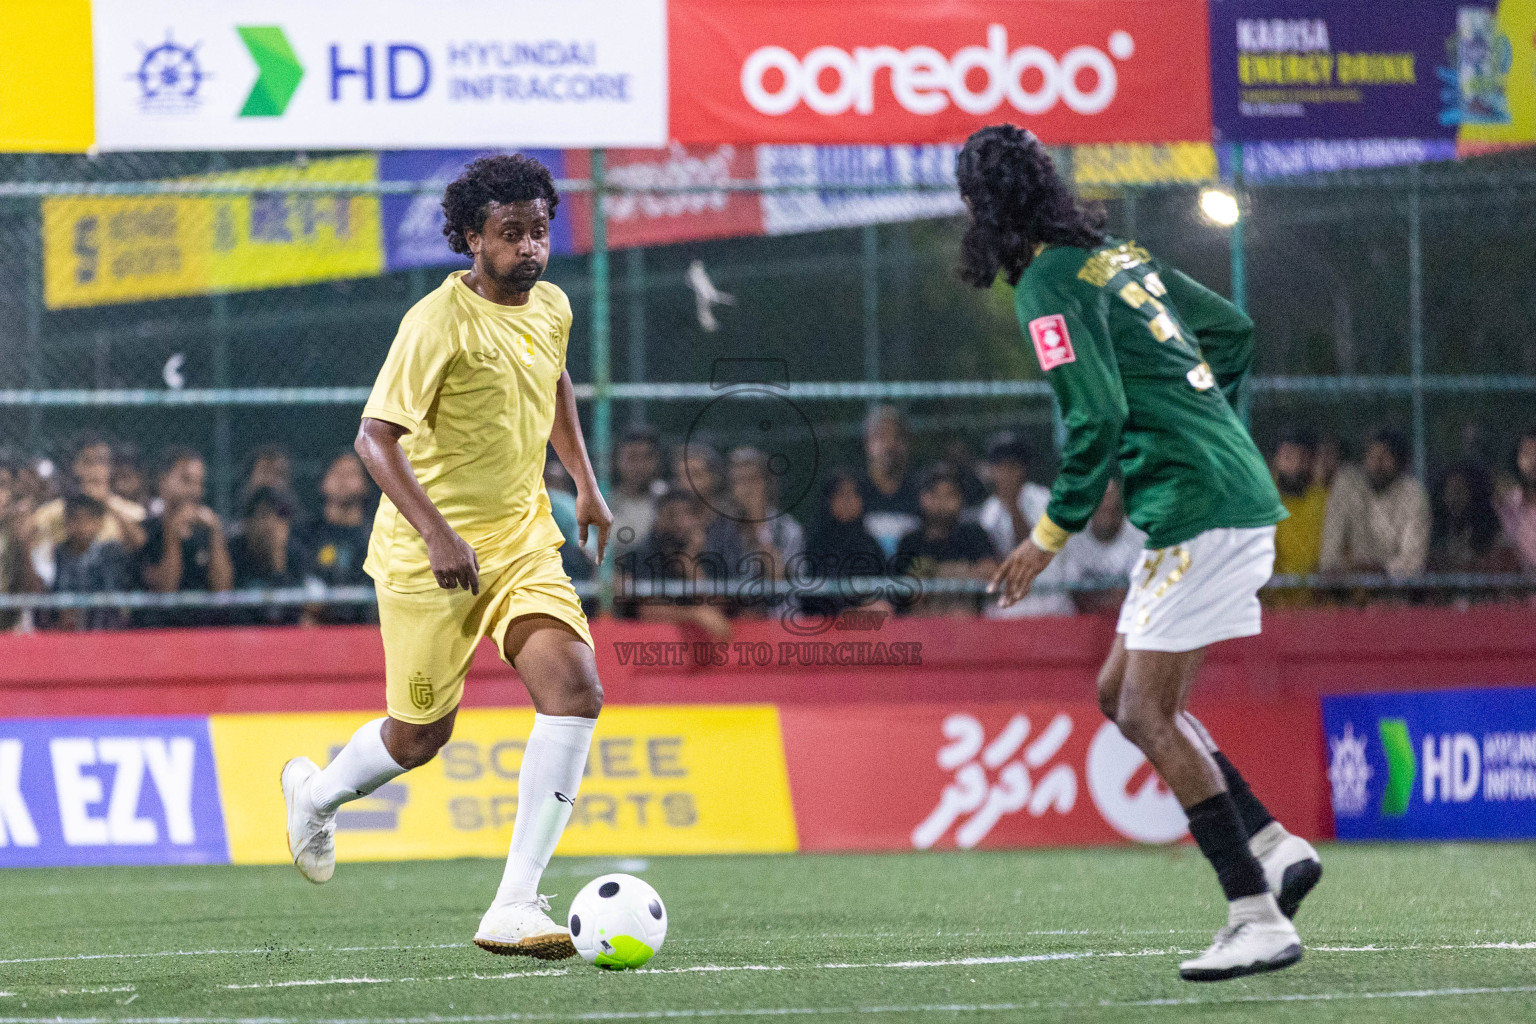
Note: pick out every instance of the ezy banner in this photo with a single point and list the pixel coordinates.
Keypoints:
(380, 74)
(108, 791)
(1443, 764)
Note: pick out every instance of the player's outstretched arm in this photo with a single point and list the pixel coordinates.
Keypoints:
(453, 560)
(565, 435)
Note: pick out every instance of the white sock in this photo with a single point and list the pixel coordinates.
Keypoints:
(362, 766)
(1261, 909)
(1266, 839)
(553, 763)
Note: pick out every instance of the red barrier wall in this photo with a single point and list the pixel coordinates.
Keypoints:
(983, 716)
(1301, 653)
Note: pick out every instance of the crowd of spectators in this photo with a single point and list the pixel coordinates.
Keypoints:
(706, 522)
(101, 523)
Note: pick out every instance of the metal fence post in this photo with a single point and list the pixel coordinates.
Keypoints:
(602, 376)
(1416, 324)
(634, 284)
(223, 430)
(871, 303)
(1235, 238)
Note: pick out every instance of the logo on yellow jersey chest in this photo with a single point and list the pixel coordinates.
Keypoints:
(491, 355)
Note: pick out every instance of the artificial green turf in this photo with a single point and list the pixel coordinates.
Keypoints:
(1423, 907)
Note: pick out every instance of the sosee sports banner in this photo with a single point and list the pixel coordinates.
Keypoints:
(1415, 69)
(659, 779)
(1446, 764)
(108, 249)
(379, 74)
(887, 71)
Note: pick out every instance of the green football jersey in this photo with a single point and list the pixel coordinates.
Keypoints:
(1151, 368)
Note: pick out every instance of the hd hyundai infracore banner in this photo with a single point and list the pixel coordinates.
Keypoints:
(380, 74)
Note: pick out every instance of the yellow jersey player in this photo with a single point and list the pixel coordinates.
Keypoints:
(464, 545)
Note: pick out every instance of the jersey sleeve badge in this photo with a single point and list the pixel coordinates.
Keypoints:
(1053, 345)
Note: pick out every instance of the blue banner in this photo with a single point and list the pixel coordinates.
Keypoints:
(413, 224)
(77, 791)
(1319, 69)
(1446, 764)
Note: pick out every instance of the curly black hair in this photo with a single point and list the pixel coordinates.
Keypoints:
(509, 178)
(1017, 201)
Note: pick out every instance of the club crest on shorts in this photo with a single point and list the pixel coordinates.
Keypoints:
(1053, 345)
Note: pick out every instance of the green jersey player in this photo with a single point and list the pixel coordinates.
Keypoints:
(1150, 370)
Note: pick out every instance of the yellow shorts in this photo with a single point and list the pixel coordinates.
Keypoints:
(430, 637)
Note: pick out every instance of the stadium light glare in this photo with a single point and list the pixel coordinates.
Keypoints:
(1219, 206)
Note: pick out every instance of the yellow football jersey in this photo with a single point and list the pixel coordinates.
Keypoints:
(474, 383)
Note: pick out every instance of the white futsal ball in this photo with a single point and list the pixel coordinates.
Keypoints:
(618, 922)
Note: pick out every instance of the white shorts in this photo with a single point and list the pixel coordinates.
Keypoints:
(1199, 592)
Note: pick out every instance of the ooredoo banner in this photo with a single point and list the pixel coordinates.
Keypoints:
(379, 74)
(1031, 773)
(886, 71)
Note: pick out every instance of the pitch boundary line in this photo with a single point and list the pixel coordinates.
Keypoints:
(798, 1011)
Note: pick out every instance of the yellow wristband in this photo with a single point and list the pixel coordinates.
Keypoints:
(1048, 536)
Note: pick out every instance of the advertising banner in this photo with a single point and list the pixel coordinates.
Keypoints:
(1026, 774)
(108, 791)
(413, 223)
(884, 71)
(815, 166)
(45, 77)
(107, 249)
(661, 218)
(660, 779)
(1446, 764)
(1417, 69)
(381, 74)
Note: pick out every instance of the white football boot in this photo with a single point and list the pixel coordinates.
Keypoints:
(311, 835)
(1255, 939)
(524, 928)
(1291, 866)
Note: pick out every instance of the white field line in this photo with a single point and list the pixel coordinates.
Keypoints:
(975, 961)
(309, 982)
(231, 952)
(801, 1011)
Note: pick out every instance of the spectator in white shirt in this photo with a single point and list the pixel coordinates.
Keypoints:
(1105, 553)
(1009, 515)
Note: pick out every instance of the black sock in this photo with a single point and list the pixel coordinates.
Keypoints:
(1218, 830)
(1254, 814)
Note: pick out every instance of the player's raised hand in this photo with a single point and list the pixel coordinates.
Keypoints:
(1018, 571)
(454, 563)
(592, 510)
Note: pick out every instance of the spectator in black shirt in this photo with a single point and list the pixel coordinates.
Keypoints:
(944, 547)
(338, 543)
(888, 490)
(267, 555)
(86, 564)
(184, 547)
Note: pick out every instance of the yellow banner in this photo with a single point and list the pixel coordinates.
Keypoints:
(1143, 163)
(47, 100)
(1517, 22)
(107, 249)
(659, 780)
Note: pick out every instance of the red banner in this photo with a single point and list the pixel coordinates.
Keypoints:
(661, 218)
(890, 71)
(1031, 773)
